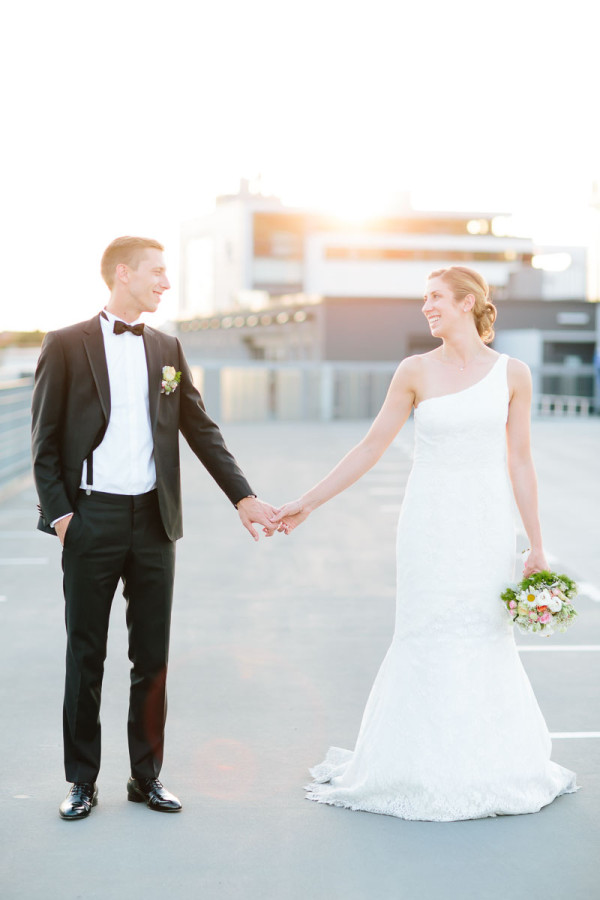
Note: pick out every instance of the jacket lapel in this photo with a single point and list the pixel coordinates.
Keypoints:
(94, 347)
(153, 361)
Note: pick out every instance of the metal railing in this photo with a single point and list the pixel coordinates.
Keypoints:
(563, 405)
(255, 392)
(15, 430)
(262, 391)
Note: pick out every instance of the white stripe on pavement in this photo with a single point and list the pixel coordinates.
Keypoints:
(574, 734)
(386, 490)
(576, 648)
(590, 590)
(23, 561)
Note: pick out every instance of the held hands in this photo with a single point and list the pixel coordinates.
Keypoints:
(290, 515)
(535, 562)
(251, 510)
(284, 519)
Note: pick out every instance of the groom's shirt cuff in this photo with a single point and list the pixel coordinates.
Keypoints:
(52, 524)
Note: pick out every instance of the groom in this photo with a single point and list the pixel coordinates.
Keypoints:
(111, 396)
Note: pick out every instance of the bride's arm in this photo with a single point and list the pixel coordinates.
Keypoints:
(520, 462)
(390, 419)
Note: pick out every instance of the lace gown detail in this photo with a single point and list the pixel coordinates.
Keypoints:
(452, 729)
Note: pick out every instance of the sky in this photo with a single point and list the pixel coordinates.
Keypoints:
(130, 117)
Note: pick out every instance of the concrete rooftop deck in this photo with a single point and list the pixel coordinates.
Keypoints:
(274, 650)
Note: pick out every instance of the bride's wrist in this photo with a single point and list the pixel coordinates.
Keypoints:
(308, 504)
(535, 555)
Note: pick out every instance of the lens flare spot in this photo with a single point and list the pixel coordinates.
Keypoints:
(225, 769)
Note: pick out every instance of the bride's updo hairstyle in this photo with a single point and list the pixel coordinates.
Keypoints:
(463, 281)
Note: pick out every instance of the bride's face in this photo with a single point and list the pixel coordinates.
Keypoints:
(440, 307)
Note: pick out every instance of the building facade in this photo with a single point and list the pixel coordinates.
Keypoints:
(252, 253)
(266, 284)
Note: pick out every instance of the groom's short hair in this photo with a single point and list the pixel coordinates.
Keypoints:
(126, 250)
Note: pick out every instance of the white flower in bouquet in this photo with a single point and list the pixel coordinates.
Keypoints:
(554, 604)
(544, 597)
(528, 598)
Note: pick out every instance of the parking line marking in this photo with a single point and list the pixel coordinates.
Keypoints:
(386, 490)
(25, 561)
(576, 648)
(589, 590)
(574, 734)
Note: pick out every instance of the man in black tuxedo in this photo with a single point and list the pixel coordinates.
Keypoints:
(111, 396)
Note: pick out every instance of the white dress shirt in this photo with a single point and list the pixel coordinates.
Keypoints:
(124, 461)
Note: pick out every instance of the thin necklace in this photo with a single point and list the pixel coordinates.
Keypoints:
(462, 368)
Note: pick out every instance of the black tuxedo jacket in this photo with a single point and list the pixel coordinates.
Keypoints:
(71, 411)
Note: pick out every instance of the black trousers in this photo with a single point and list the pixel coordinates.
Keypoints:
(112, 537)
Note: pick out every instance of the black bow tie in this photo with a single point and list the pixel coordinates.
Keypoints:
(121, 327)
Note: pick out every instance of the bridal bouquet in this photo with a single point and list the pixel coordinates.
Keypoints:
(541, 603)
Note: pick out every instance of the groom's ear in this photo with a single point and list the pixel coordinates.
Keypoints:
(122, 273)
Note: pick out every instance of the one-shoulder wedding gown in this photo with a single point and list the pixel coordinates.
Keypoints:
(452, 729)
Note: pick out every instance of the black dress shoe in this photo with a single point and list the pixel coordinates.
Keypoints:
(151, 792)
(79, 801)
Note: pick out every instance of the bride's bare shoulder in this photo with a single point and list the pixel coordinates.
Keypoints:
(519, 378)
(412, 371)
(518, 371)
(420, 362)
(414, 367)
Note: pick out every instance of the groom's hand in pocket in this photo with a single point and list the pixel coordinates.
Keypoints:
(253, 511)
(61, 526)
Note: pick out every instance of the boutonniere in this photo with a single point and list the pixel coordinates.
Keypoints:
(170, 380)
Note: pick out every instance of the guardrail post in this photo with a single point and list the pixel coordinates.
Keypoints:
(327, 392)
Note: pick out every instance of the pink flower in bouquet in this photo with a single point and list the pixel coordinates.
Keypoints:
(512, 604)
(547, 617)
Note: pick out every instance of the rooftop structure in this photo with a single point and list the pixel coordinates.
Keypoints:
(264, 282)
(253, 252)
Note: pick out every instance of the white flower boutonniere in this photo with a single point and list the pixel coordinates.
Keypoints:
(170, 380)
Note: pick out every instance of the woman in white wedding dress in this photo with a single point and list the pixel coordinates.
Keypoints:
(452, 729)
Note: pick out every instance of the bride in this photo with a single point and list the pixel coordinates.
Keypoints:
(452, 729)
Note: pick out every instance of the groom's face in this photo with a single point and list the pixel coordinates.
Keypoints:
(148, 280)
